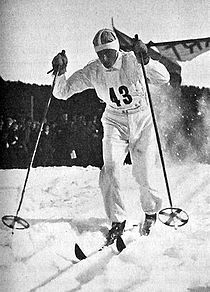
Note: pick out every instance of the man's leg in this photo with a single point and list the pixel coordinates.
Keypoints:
(143, 155)
(114, 152)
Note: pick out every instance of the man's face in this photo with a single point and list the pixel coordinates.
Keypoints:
(108, 57)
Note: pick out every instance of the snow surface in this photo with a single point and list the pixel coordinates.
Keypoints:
(63, 206)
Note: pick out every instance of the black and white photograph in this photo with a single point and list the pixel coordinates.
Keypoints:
(105, 146)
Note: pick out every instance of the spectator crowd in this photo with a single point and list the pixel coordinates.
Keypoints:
(76, 138)
(69, 141)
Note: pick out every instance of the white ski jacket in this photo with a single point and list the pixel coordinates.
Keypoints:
(121, 87)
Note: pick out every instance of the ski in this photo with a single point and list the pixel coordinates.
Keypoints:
(80, 255)
(110, 241)
(119, 243)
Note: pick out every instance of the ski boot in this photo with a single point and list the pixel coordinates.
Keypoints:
(116, 231)
(148, 223)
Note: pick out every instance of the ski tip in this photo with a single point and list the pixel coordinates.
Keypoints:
(120, 244)
(123, 224)
(79, 253)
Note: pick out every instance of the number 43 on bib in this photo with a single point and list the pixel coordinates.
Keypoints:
(123, 90)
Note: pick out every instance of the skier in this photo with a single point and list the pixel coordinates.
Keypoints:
(118, 80)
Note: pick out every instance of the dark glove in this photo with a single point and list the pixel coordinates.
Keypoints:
(139, 49)
(59, 63)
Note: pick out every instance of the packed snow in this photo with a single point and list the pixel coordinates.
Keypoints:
(63, 206)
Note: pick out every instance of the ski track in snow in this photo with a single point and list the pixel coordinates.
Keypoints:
(64, 206)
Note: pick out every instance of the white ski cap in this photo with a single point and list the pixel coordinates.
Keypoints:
(106, 39)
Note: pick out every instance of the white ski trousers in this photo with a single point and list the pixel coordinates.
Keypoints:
(128, 130)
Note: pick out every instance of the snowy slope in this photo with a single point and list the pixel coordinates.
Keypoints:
(63, 206)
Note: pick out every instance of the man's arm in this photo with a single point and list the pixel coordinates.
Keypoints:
(77, 82)
(157, 73)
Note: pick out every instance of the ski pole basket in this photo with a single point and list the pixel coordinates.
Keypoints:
(15, 222)
(173, 217)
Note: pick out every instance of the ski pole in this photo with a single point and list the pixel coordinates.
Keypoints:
(37, 143)
(10, 220)
(156, 128)
(173, 217)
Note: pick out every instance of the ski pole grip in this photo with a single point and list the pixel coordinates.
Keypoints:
(136, 37)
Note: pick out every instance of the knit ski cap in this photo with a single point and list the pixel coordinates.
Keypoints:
(105, 39)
